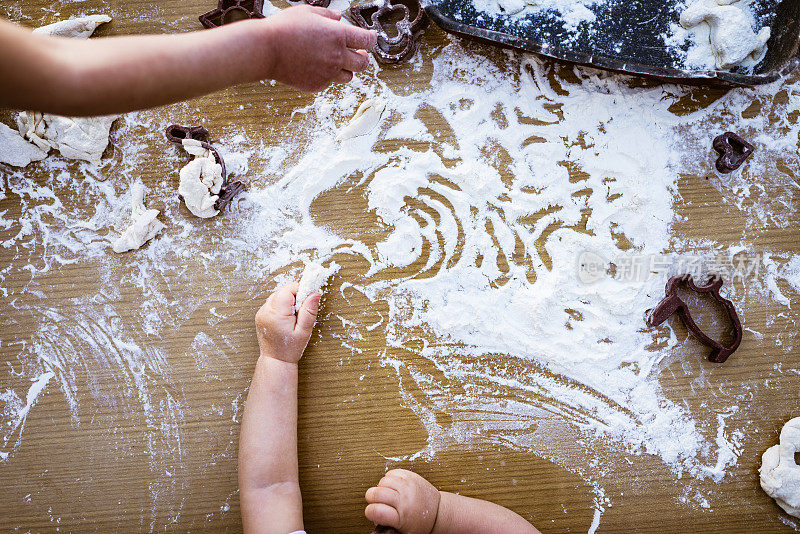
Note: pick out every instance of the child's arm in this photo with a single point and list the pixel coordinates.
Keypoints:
(407, 502)
(305, 47)
(269, 490)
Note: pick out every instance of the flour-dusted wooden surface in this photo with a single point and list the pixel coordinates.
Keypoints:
(95, 470)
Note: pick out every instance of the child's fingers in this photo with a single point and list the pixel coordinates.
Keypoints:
(344, 77)
(307, 314)
(400, 473)
(355, 62)
(327, 13)
(391, 482)
(282, 301)
(380, 494)
(382, 514)
(360, 39)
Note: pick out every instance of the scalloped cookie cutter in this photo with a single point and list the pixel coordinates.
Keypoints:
(176, 134)
(672, 303)
(228, 11)
(396, 38)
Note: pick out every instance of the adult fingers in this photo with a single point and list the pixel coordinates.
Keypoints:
(359, 38)
(327, 13)
(382, 514)
(343, 77)
(307, 314)
(380, 494)
(355, 62)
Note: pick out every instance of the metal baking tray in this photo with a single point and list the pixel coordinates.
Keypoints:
(625, 37)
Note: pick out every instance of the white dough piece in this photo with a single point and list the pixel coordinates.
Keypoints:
(731, 32)
(201, 180)
(80, 28)
(16, 151)
(313, 279)
(84, 138)
(367, 116)
(779, 474)
(144, 223)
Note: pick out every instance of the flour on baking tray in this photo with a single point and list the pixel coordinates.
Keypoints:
(485, 186)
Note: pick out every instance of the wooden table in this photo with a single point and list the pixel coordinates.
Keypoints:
(94, 464)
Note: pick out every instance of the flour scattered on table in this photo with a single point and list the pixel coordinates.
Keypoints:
(492, 180)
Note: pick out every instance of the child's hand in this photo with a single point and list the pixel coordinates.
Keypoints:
(281, 334)
(313, 49)
(405, 501)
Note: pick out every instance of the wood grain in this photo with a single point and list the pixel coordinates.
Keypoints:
(95, 474)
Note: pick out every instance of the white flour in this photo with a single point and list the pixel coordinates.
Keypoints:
(492, 336)
(572, 12)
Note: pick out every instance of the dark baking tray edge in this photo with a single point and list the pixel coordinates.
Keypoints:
(694, 77)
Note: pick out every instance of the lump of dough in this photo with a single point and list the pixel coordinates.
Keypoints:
(779, 473)
(313, 279)
(367, 116)
(144, 223)
(83, 138)
(731, 34)
(201, 180)
(16, 151)
(81, 27)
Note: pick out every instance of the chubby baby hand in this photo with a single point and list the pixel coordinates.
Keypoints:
(282, 334)
(404, 501)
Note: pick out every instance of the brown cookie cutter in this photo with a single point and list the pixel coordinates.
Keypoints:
(228, 11)
(396, 38)
(673, 303)
(177, 133)
(319, 3)
(732, 150)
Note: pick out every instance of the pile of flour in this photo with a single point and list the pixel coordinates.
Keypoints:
(572, 12)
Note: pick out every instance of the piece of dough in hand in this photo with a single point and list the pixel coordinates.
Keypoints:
(367, 116)
(313, 279)
(779, 473)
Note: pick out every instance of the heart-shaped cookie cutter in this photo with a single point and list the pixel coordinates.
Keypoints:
(396, 39)
(672, 303)
(176, 134)
(732, 150)
(228, 11)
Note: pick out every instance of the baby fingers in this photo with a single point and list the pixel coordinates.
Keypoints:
(382, 514)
